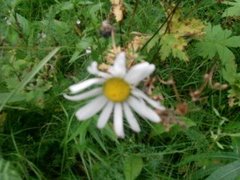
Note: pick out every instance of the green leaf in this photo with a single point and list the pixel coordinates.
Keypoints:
(132, 167)
(216, 42)
(229, 73)
(157, 129)
(66, 6)
(29, 76)
(208, 156)
(7, 171)
(173, 45)
(233, 41)
(234, 10)
(188, 122)
(22, 22)
(74, 57)
(15, 98)
(83, 44)
(230, 171)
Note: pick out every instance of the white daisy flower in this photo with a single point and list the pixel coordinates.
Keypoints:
(115, 92)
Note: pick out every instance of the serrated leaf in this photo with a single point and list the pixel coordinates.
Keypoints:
(173, 45)
(189, 27)
(234, 10)
(179, 30)
(230, 171)
(233, 41)
(132, 167)
(229, 73)
(216, 42)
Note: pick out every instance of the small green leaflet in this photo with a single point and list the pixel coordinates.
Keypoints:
(133, 165)
(217, 42)
(234, 10)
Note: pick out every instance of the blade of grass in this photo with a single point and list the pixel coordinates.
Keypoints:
(29, 76)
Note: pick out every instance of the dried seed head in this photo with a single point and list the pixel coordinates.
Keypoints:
(224, 86)
(195, 95)
(106, 29)
(182, 108)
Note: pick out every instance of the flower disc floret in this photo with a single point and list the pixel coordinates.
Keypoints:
(116, 89)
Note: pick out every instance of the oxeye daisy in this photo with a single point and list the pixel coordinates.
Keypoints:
(115, 92)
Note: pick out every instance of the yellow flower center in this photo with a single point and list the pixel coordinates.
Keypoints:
(116, 89)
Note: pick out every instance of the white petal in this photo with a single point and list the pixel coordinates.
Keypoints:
(130, 118)
(118, 120)
(139, 72)
(90, 109)
(143, 110)
(139, 94)
(93, 69)
(105, 114)
(85, 84)
(85, 95)
(119, 66)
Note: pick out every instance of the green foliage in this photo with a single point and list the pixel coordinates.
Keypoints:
(217, 42)
(40, 137)
(132, 167)
(227, 172)
(7, 171)
(172, 45)
(233, 10)
(29, 77)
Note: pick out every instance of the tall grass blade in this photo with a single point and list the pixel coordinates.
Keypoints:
(29, 77)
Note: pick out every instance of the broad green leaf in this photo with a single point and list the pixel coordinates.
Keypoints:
(233, 41)
(29, 76)
(230, 171)
(132, 167)
(234, 10)
(216, 42)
